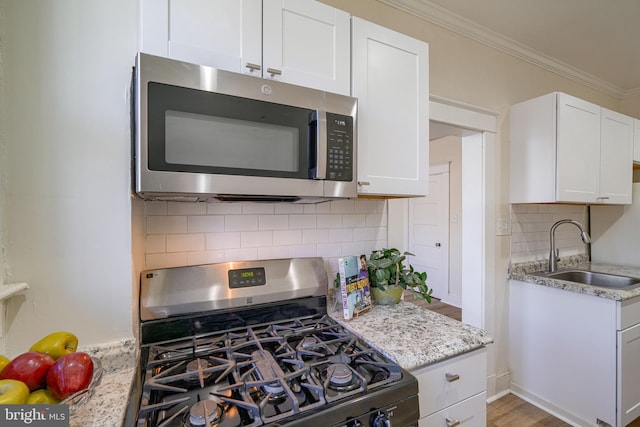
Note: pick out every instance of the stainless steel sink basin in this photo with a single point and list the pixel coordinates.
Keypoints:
(593, 278)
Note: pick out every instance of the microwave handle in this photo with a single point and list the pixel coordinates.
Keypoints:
(321, 145)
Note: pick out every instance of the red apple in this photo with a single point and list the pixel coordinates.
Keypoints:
(71, 373)
(31, 368)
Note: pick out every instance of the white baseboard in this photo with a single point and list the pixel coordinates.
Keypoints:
(549, 407)
(498, 386)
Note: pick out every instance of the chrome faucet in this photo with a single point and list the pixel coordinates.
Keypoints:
(552, 252)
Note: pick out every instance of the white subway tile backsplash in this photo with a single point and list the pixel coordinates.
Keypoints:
(343, 206)
(185, 242)
(166, 224)
(155, 243)
(272, 252)
(224, 208)
(179, 208)
(287, 237)
(273, 222)
(205, 223)
(241, 222)
(315, 236)
(257, 208)
(199, 233)
(242, 254)
(329, 221)
(303, 221)
(341, 235)
(328, 250)
(366, 233)
(255, 239)
(355, 220)
(205, 257)
(352, 248)
(155, 208)
(165, 260)
(530, 227)
(226, 240)
(289, 208)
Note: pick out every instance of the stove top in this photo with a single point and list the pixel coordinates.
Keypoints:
(279, 363)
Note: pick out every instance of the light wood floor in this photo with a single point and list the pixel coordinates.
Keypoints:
(509, 410)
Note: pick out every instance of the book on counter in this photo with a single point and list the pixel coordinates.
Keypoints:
(354, 284)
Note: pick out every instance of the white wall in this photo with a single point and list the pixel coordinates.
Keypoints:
(66, 69)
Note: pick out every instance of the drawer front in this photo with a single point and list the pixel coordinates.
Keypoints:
(451, 381)
(629, 313)
(471, 412)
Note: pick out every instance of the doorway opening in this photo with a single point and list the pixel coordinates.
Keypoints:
(474, 129)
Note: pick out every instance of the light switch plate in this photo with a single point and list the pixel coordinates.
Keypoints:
(503, 227)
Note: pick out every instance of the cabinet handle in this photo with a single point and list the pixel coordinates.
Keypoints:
(451, 377)
(274, 72)
(364, 183)
(452, 422)
(253, 67)
(602, 198)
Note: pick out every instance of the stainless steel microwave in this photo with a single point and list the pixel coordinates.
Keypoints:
(203, 134)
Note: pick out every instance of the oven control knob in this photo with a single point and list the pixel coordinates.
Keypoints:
(380, 420)
(355, 423)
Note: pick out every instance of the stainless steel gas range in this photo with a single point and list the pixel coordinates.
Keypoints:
(251, 344)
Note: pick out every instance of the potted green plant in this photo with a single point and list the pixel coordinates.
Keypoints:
(389, 277)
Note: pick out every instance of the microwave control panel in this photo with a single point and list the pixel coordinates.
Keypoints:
(339, 147)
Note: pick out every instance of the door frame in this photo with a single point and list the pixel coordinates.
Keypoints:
(477, 128)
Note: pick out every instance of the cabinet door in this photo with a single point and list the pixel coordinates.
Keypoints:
(225, 34)
(616, 158)
(578, 150)
(390, 79)
(307, 43)
(636, 140)
(628, 375)
(468, 413)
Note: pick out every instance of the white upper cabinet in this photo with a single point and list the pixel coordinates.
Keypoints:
(616, 158)
(636, 140)
(390, 78)
(301, 42)
(565, 149)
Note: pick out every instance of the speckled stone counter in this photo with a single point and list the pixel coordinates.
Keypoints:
(521, 271)
(106, 406)
(413, 336)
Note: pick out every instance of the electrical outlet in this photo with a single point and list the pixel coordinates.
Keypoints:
(503, 227)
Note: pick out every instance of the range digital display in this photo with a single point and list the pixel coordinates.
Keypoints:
(247, 277)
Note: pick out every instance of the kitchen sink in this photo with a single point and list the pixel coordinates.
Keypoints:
(593, 278)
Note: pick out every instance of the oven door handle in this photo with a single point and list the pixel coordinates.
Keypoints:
(321, 145)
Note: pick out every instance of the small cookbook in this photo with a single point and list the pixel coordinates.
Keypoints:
(354, 283)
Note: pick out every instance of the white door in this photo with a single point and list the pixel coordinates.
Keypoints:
(429, 232)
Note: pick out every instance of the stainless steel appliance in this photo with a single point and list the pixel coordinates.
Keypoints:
(250, 344)
(208, 134)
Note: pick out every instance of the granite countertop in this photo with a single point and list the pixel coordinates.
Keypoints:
(106, 406)
(413, 336)
(521, 271)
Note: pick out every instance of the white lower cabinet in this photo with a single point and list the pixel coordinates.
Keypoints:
(575, 355)
(453, 392)
(470, 412)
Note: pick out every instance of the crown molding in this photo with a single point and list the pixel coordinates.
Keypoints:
(443, 18)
